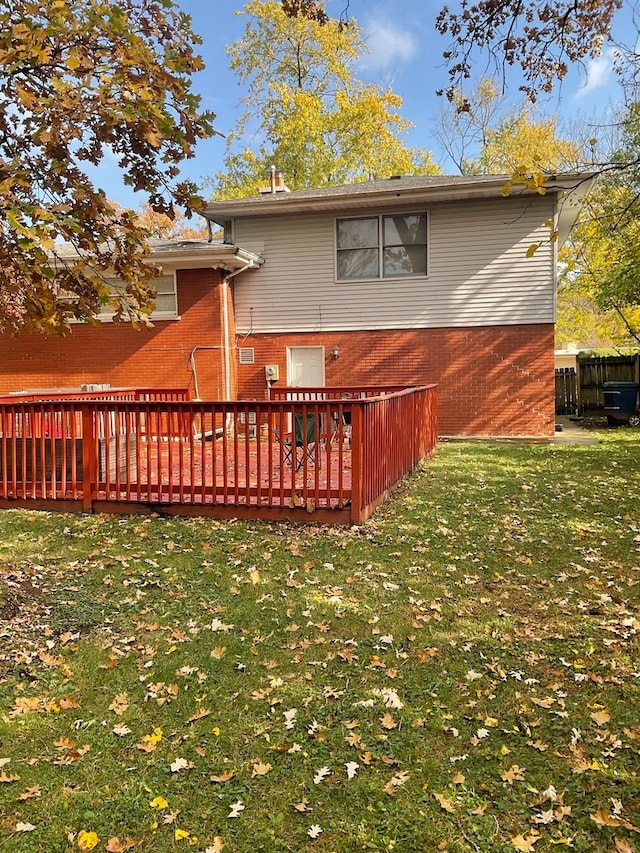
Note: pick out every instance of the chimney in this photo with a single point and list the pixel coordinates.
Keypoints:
(276, 183)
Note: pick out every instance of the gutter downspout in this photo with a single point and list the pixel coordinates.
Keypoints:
(226, 345)
(226, 348)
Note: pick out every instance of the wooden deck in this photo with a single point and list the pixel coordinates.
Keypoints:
(148, 451)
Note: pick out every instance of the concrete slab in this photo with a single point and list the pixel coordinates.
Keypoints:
(572, 433)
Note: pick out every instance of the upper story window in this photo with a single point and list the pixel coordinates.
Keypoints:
(166, 299)
(384, 246)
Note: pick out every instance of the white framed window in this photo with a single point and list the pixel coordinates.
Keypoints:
(385, 246)
(166, 299)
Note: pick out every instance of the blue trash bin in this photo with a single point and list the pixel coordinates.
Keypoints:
(621, 402)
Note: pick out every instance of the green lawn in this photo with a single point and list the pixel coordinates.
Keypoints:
(460, 674)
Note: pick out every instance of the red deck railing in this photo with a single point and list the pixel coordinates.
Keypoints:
(158, 451)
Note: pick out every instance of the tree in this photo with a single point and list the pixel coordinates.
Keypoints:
(81, 80)
(318, 122)
(462, 133)
(491, 136)
(176, 227)
(603, 263)
(543, 39)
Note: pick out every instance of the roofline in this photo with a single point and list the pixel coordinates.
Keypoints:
(219, 256)
(191, 254)
(389, 192)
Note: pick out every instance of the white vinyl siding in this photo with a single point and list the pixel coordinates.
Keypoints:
(479, 272)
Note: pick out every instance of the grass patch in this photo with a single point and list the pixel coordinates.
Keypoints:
(460, 674)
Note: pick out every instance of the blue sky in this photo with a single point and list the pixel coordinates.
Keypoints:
(405, 54)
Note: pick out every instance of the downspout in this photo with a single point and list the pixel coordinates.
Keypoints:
(226, 345)
(226, 349)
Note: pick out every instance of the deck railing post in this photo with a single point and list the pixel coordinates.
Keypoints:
(356, 464)
(89, 458)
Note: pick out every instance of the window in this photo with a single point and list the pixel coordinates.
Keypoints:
(166, 299)
(382, 246)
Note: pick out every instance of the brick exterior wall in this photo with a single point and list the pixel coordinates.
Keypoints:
(121, 356)
(496, 380)
(492, 380)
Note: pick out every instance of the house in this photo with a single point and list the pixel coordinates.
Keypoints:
(401, 281)
(408, 280)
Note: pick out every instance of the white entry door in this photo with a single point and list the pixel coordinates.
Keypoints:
(305, 367)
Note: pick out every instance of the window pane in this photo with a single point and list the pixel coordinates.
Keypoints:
(358, 263)
(357, 233)
(165, 302)
(409, 260)
(165, 299)
(405, 244)
(405, 230)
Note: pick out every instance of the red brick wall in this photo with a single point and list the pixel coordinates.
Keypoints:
(492, 380)
(122, 356)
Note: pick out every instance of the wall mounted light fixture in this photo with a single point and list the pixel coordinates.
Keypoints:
(336, 352)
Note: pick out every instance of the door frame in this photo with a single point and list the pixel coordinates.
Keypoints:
(321, 350)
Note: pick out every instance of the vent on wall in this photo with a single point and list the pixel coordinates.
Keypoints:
(246, 355)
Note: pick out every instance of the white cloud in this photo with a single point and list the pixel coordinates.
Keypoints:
(599, 72)
(389, 44)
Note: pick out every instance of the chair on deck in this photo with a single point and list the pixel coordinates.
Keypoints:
(341, 425)
(305, 435)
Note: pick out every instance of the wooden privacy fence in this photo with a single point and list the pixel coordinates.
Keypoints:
(567, 397)
(158, 451)
(580, 390)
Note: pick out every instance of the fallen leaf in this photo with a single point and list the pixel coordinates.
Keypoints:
(352, 768)
(217, 846)
(150, 742)
(24, 827)
(114, 845)
(387, 721)
(623, 846)
(199, 714)
(260, 769)
(5, 777)
(601, 717)
(179, 764)
(87, 840)
(427, 655)
(121, 730)
(119, 704)
(30, 793)
(604, 819)
(302, 806)
(223, 777)
(314, 831)
(235, 809)
(396, 782)
(321, 775)
(445, 803)
(158, 803)
(525, 844)
(513, 774)
(219, 625)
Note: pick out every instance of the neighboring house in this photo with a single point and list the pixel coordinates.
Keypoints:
(401, 281)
